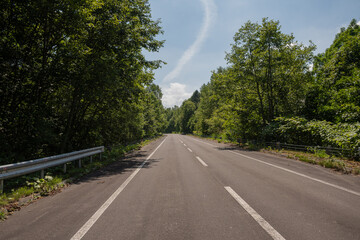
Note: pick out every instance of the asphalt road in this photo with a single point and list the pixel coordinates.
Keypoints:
(182, 187)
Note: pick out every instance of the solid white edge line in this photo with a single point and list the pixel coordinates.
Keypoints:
(201, 161)
(261, 221)
(86, 227)
(299, 174)
(290, 171)
(189, 149)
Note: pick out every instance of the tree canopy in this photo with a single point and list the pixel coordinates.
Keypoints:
(73, 75)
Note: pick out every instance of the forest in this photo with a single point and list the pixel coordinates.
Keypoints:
(276, 89)
(73, 75)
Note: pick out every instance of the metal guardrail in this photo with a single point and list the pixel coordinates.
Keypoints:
(23, 168)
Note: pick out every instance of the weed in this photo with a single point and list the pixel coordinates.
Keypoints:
(268, 148)
(2, 214)
(253, 147)
(340, 166)
(45, 185)
(331, 163)
(326, 163)
(21, 192)
(3, 200)
(320, 153)
(305, 159)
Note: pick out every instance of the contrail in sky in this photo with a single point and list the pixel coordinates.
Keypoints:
(209, 15)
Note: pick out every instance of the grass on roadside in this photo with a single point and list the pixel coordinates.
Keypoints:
(321, 158)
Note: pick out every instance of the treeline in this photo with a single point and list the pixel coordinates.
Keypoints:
(73, 76)
(275, 89)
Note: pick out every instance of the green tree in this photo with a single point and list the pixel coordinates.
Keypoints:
(271, 65)
(335, 95)
(154, 112)
(73, 74)
(186, 113)
(173, 116)
(206, 107)
(195, 98)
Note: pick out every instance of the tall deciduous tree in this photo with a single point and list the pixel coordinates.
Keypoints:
(335, 95)
(271, 65)
(73, 74)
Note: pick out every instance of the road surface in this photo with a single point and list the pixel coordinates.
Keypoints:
(183, 187)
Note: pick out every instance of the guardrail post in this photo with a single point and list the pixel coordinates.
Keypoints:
(65, 168)
(100, 156)
(1, 185)
(42, 174)
(79, 163)
(91, 159)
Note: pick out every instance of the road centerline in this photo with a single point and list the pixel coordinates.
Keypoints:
(189, 150)
(86, 227)
(201, 161)
(260, 220)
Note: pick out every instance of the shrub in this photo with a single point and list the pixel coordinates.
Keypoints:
(301, 131)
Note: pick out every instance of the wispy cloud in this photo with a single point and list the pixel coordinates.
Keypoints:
(175, 94)
(209, 16)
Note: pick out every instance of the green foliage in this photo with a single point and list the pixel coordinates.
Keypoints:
(207, 105)
(154, 112)
(73, 75)
(187, 112)
(305, 159)
(41, 186)
(20, 192)
(335, 95)
(331, 163)
(182, 119)
(195, 98)
(270, 68)
(267, 77)
(2, 215)
(45, 185)
(172, 117)
(301, 131)
(320, 153)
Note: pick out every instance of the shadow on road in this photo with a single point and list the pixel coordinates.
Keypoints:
(228, 148)
(240, 148)
(125, 164)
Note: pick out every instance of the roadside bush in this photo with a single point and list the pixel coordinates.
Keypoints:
(301, 131)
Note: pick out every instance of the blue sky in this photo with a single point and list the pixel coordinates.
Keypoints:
(198, 33)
